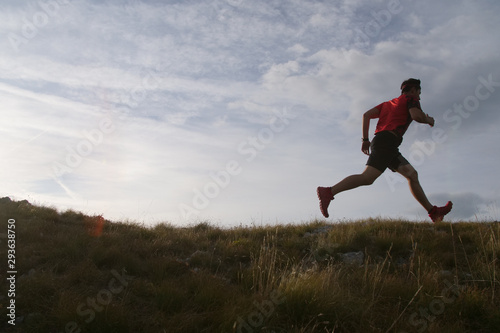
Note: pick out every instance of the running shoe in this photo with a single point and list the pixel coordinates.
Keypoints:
(437, 213)
(325, 197)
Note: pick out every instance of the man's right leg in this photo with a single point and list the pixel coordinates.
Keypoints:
(325, 194)
(369, 175)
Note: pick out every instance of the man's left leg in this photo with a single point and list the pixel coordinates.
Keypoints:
(409, 172)
(435, 213)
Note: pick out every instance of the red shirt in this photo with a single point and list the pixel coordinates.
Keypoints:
(395, 114)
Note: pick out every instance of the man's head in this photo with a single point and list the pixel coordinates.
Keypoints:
(411, 86)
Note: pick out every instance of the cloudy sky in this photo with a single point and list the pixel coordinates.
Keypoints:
(234, 111)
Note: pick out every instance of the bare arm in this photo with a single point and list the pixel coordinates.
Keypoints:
(420, 117)
(367, 116)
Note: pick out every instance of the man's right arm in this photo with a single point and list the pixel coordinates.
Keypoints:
(367, 116)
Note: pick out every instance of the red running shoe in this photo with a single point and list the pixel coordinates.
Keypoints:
(437, 213)
(325, 197)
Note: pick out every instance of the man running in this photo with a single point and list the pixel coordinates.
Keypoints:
(394, 117)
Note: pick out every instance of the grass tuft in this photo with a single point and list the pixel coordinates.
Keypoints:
(79, 273)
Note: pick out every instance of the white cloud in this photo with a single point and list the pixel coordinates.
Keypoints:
(185, 84)
(298, 49)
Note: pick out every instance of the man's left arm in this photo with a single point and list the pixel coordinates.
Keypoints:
(420, 117)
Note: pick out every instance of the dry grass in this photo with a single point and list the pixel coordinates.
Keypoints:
(414, 277)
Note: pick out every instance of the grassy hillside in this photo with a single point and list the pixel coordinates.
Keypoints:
(77, 273)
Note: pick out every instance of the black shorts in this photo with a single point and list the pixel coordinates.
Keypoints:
(385, 153)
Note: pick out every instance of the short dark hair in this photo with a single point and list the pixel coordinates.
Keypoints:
(407, 85)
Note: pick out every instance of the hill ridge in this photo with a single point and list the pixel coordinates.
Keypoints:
(79, 273)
